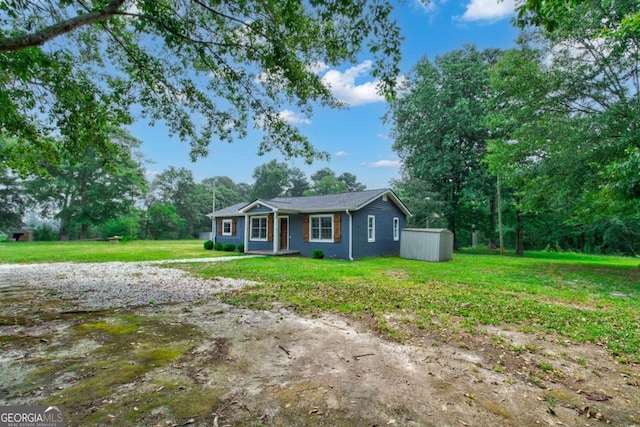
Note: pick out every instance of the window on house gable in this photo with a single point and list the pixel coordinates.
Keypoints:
(259, 228)
(396, 229)
(371, 228)
(321, 228)
(227, 227)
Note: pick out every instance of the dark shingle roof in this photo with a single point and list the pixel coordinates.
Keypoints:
(323, 203)
(230, 210)
(341, 201)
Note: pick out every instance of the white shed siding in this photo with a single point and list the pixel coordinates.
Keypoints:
(426, 244)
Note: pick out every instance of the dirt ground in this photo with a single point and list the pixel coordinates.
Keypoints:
(211, 364)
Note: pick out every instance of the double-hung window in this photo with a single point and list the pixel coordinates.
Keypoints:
(371, 228)
(259, 228)
(321, 228)
(227, 227)
(396, 229)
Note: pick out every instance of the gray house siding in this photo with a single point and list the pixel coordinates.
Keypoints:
(238, 238)
(259, 210)
(331, 250)
(384, 212)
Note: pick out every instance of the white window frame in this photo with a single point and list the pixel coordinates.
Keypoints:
(230, 223)
(371, 228)
(319, 218)
(396, 229)
(266, 229)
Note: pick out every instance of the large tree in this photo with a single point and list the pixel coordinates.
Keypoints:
(226, 191)
(207, 69)
(351, 181)
(566, 126)
(92, 191)
(439, 126)
(176, 187)
(325, 181)
(271, 180)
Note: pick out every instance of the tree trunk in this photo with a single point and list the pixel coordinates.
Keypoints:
(64, 228)
(452, 228)
(519, 231)
(84, 232)
(492, 222)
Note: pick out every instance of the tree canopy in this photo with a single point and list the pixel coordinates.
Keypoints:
(209, 70)
(623, 15)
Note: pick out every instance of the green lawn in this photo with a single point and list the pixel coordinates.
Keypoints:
(138, 250)
(578, 297)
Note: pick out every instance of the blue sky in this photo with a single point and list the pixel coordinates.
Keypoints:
(357, 138)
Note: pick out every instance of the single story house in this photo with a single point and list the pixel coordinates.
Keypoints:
(346, 225)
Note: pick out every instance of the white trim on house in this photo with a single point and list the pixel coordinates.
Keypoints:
(260, 228)
(276, 231)
(255, 203)
(321, 228)
(246, 232)
(350, 235)
(371, 228)
(396, 229)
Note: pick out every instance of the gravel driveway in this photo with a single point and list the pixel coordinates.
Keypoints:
(108, 285)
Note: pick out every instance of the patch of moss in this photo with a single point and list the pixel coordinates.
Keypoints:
(561, 396)
(22, 339)
(160, 356)
(124, 325)
(168, 402)
(130, 347)
(495, 408)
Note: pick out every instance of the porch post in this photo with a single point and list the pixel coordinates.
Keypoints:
(247, 230)
(276, 232)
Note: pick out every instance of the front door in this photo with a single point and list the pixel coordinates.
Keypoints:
(284, 234)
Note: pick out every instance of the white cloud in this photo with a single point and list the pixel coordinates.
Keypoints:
(343, 85)
(488, 10)
(342, 154)
(294, 118)
(383, 164)
(317, 67)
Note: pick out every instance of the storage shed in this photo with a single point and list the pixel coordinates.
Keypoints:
(426, 244)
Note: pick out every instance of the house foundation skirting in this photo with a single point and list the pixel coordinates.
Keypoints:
(278, 253)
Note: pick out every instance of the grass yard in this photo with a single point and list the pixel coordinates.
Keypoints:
(137, 250)
(492, 340)
(576, 298)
